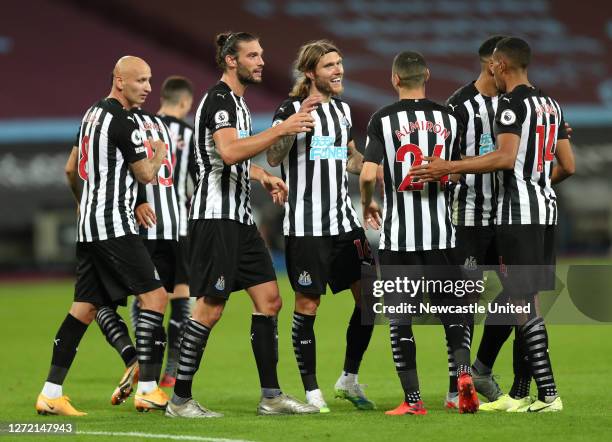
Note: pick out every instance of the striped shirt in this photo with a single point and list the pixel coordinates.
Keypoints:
(184, 166)
(160, 196)
(416, 216)
(222, 192)
(526, 195)
(108, 141)
(315, 172)
(474, 198)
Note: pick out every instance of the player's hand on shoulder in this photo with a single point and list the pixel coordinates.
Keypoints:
(371, 216)
(297, 123)
(310, 103)
(145, 215)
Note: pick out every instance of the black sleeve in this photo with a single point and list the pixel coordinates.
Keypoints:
(127, 136)
(220, 112)
(375, 143)
(562, 131)
(192, 167)
(77, 139)
(456, 148)
(284, 111)
(141, 196)
(509, 116)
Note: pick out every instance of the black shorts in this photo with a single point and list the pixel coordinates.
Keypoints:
(181, 274)
(313, 262)
(527, 257)
(475, 246)
(431, 266)
(164, 256)
(226, 256)
(109, 271)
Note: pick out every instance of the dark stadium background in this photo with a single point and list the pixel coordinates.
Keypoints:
(56, 58)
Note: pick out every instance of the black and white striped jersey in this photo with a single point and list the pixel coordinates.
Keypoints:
(160, 196)
(474, 198)
(525, 193)
(108, 141)
(315, 172)
(184, 166)
(222, 192)
(416, 215)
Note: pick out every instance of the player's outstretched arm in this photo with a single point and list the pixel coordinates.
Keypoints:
(72, 173)
(502, 158)
(367, 184)
(566, 163)
(234, 150)
(145, 170)
(355, 159)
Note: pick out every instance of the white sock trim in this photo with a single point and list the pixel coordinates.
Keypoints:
(52, 391)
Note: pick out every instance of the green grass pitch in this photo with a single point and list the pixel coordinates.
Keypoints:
(227, 381)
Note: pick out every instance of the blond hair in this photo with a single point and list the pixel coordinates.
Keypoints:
(306, 61)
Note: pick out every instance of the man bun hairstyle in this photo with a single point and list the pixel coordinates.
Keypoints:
(227, 44)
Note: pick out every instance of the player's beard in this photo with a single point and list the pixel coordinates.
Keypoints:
(325, 87)
(244, 75)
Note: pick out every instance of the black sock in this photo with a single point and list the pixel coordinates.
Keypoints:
(535, 339)
(357, 340)
(459, 338)
(65, 346)
(147, 332)
(264, 341)
(464, 344)
(493, 338)
(522, 371)
(181, 308)
(115, 331)
(452, 370)
(193, 342)
(403, 347)
(159, 349)
(134, 312)
(305, 348)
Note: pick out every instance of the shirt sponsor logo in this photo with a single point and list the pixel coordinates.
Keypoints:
(486, 144)
(322, 148)
(276, 122)
(243, 133)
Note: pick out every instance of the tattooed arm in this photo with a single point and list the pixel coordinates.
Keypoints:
(279, 150)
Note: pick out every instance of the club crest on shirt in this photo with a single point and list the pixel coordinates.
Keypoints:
(220, 284)
(305, 280)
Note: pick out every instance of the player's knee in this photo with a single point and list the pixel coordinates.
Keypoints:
(155, 300)
(307, 305)
(84, 312)
(208, 311)
(275, 306)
